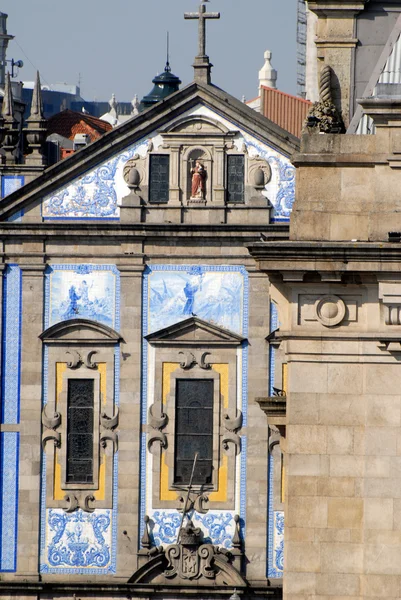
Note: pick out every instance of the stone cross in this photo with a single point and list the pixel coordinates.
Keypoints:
(202, 15)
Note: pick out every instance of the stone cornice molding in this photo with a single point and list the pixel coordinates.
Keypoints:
(341, 257)
(340, 8)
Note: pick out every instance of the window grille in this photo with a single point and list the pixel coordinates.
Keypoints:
(80, 421)
(159, 176)
(194, 431)
(235, 178)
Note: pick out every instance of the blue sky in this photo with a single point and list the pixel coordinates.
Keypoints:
(119, 46)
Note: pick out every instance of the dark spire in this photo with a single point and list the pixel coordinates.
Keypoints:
(164, 84)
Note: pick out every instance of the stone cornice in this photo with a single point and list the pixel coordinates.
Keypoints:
(340, 257)
(345, 8)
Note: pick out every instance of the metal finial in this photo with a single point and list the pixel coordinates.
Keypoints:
(167, 68)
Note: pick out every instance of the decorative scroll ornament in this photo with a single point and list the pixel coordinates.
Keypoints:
(196, 501)
(51, 424)
(77, 360)
(324, 117)
(72, 503)
(156, 424)
(231, 435)
(107, 425)
(190, 360)
(79, 500)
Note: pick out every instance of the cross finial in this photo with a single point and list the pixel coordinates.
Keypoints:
(202, 65)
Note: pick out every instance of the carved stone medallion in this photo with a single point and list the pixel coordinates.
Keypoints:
(330, 310)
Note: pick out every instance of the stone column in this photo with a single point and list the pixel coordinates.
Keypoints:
(336, 42)
(218, 176)
(130, 420)
(257, 431)
(30, 428)
(174, 177)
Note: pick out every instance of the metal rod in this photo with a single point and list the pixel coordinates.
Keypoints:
(187, 498)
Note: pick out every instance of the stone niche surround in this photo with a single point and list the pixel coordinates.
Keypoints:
(185, 141)
(82, 348)
(197, 348)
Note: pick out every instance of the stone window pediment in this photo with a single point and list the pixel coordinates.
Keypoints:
(194, 331)
(80, 331)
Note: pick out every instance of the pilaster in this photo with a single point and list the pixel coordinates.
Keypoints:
(257, 439)
(30, 431)
(130, 421)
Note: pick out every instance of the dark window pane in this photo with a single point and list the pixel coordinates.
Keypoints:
(80, 410)
(235, 178)
(159, 175)
(194, 430)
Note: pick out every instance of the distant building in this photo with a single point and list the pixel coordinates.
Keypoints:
(286, 110)
(68, 131)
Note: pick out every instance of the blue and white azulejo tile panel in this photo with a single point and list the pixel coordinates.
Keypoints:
(95, 195)
(212, 295)
(275, 558)
(11, 346)
(9, 461)
(82, 292)
(79, 540)
(218, 526)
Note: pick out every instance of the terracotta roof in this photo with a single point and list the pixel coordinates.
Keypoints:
(285, 110)
(68, 123)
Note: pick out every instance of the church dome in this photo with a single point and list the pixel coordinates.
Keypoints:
(164, 84)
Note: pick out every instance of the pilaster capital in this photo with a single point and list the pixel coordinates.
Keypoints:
(336, 8)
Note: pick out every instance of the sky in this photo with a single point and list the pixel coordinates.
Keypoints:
(118, 46)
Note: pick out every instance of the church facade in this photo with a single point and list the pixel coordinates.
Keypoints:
(134, 452)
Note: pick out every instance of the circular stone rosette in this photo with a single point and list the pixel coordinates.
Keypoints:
(330, 310)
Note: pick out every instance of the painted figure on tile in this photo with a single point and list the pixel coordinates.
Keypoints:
(72, 310)
(198, 180)
(190, 290)
(80, 294)
(84, 291)
(212, 296)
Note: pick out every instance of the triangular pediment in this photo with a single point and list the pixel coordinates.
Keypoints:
(86, 166)
(194, 331)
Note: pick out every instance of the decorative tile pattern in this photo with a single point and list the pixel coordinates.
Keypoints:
(11, 183)
(219, 294)
(11, 359)
(96, 194)
(9, 452)
(275, 559)
(82, 291)
(79, 539)
(272, 352)
(81, 543)
(218, 527)
(281, 188)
